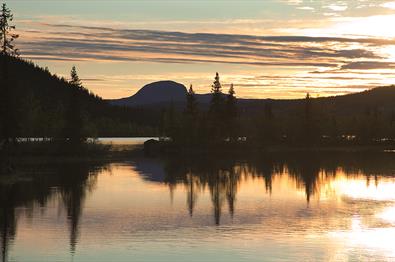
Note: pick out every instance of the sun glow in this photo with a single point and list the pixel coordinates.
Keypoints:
(362, 188)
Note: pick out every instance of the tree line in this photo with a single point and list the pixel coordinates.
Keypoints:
(194, 126)
(310, 122)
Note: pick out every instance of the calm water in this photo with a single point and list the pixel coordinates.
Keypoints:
(125, 140)
(292, 207)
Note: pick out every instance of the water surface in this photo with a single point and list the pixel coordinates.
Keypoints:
(287, 207)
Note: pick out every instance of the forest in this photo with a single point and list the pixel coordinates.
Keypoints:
(366, 118)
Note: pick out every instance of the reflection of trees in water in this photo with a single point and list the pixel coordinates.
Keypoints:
(222, 176)
(8, 223)
(77, 181)
(72, 182)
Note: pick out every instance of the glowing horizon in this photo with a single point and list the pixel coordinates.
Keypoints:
(267, 49)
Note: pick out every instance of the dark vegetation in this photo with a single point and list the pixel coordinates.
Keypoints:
(226, 123)
(45, 105)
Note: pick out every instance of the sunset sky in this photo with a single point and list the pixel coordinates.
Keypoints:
(267, 48)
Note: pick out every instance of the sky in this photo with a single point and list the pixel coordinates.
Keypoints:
(266, 48)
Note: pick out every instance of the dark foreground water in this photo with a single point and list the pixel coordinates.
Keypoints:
(281, 207)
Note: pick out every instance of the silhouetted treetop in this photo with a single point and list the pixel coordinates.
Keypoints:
(231, 102)
(216, 106)
(75, 80)
(216, 87)
(191, 107)
(7, 37)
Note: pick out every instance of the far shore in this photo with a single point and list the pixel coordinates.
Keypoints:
(105, 148)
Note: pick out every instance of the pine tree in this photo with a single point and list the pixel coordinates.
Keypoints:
(217, 97)
(190, 119)
(231, 107)
(74, 130)
(8, 117)
(75, 80)
(308, 133)
(216, 112)
(231, 113)
(191, 108)
(307, 107)
(7, 37)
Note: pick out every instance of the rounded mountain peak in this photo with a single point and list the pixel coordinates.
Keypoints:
(161, 91)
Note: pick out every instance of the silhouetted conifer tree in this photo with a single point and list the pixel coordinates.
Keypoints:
(191, 108)
(7, 37)
(190, 119)
(231, 104)
(308, 135)
(216, 105)
(8, 117)
(216, 111)
(75, 80)
(231, 113)
(74, 113)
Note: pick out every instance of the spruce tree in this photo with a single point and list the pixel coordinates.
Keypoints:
(308, 135)
(216, 116)
(190, 120)
(8, 117)
(75, 80)
(231, 107)
(217, 97)
(74, 130)
(231, 113)
(191, 107)
(7, 37)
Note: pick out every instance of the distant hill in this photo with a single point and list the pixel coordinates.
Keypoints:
(155, 93)
(161, 94)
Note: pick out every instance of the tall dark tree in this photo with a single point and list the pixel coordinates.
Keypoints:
(189, 130)
(6, 32)
(75, 80)
(74, 130)
(191, 107)
(216, 105)
(231, 106)
(308, 135)
(8, 119)
(216, 111)
(231, 113)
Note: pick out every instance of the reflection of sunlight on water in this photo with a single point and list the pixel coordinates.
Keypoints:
(388, 215)
(359, 189)
(367, 242)
(362, 239)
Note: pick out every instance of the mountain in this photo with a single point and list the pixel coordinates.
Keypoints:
(161, 94)
(155, 93)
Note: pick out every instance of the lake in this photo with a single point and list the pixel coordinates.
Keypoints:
(277, 207)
